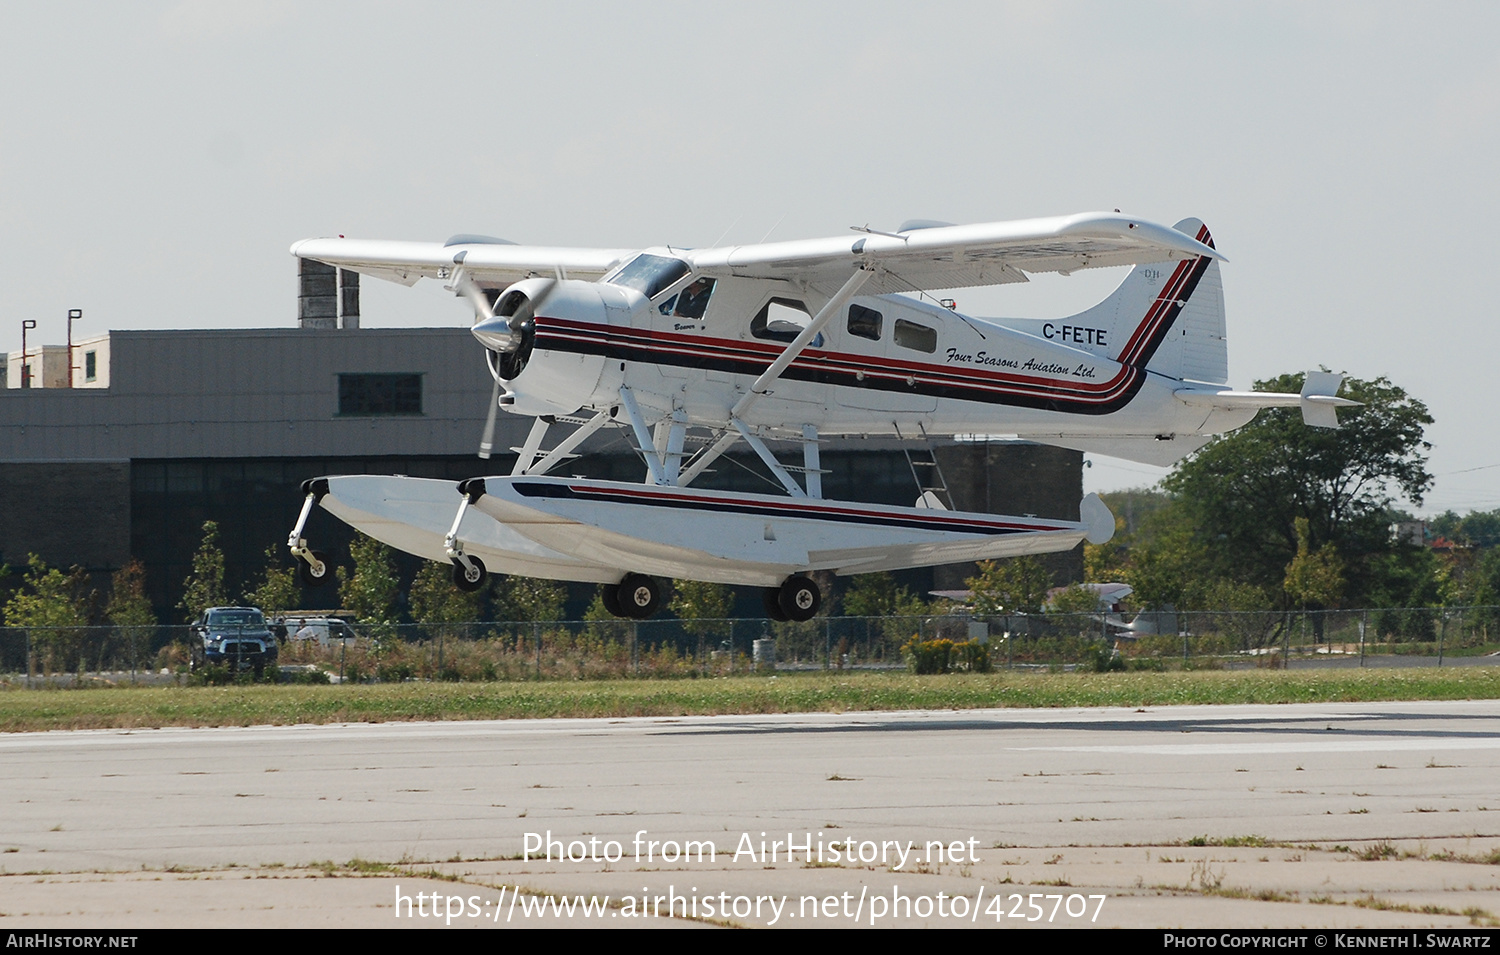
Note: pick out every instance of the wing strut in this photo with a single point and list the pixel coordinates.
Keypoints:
(643, 437)
(526, 454)
(565, 447)
(707, 456)
(825, 314)
(810, 462)
(787, 481)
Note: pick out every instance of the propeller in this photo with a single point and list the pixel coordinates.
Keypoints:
(505, 330)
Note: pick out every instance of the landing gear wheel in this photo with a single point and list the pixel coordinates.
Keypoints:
(799, 598)
(316, 573)
(610, 595)
(470, 578)
(639, 596)
(770, 599)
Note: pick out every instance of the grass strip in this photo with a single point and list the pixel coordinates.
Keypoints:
(131, 707)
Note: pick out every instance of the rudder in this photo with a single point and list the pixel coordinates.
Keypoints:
(1167, 317)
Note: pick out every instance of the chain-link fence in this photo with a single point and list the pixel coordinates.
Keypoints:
(667, 648)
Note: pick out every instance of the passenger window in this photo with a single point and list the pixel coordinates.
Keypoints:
(780, 319)
(914, 336)
(864, 322)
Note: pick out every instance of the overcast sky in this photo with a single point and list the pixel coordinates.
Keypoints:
(157, 159)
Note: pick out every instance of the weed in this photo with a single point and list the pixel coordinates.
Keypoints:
(1207, 879)
(1377, 851)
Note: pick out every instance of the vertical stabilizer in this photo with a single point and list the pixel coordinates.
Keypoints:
(1167, 317)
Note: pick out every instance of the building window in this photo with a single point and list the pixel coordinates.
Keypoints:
(368, 395)
(90, 366)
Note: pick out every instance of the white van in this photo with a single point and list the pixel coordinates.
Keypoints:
(326, 630)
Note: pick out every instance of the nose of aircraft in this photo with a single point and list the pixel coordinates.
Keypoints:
(496, 334)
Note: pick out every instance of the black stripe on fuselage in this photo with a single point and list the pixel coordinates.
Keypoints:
(813, 366)
(799, 509)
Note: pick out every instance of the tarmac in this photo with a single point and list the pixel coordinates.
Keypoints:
(1376, 815)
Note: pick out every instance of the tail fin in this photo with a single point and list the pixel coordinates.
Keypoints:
(1167, 317)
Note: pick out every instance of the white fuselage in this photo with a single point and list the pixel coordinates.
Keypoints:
(900, 361)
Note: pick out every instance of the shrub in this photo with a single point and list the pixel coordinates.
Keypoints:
(945, 656)
(1106, 659)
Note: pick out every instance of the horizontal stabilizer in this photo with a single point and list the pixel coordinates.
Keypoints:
(1318, 399)
(1097, 517)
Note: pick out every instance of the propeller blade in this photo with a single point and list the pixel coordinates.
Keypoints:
(465, 286)
(487, 442)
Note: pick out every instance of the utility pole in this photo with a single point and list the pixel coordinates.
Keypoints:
(74, 314)
(26, 325)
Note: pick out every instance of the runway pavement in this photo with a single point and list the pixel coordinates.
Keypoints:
(1329, 814)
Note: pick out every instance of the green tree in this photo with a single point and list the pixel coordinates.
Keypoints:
(434, 599)
(204, 587)
(1074, 599)
(278, 591)
(1243, 492)
(531, 598)
(1011, 585)
(872, 595)
(129, 609)
(128, 604)
(1314, 579)
(698, 602)
(51, 606)
(370, 589)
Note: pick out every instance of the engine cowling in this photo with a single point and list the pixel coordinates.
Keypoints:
(547, 339)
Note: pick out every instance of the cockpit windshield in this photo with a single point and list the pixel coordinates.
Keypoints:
(650, 274)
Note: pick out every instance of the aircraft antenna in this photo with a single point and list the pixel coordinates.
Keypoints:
(938, 303)
(731, 226)
(772, 229)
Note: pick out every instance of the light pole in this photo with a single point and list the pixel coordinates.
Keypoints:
(26, 325)
(74, 314)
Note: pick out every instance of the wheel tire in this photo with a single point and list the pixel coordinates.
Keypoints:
(770, 599)
(471, 578)
(799, 598)
(196, 658)
(639, 596)
(312, 577)
(610, 595)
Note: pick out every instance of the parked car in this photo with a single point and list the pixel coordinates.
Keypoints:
(328, 631)
(235, 637)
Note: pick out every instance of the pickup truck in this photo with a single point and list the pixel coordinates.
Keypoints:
(236, 637)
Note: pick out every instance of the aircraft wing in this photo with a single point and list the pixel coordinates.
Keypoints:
(491, 263)
(958, 256)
